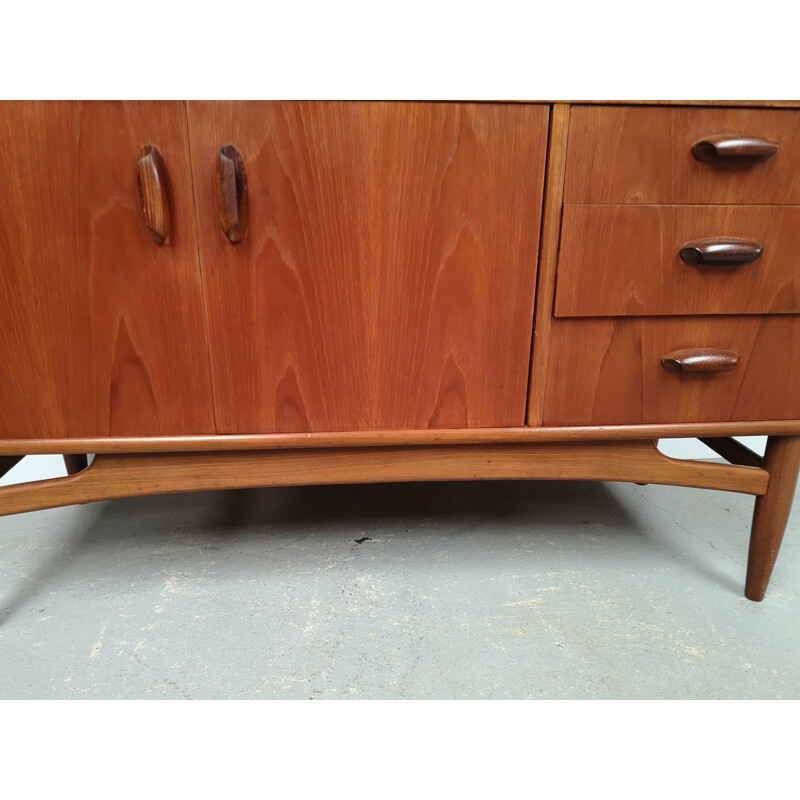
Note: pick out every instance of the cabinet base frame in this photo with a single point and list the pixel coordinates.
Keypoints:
(118, 475)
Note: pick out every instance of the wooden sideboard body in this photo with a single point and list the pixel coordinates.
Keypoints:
(225, 294)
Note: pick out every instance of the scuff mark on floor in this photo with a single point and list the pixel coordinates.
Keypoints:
(535, 601)
(98, 645)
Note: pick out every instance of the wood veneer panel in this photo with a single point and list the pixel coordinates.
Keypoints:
(628, 154)
(386, 280)
(102, 331)
(608, 371)
(625, 261)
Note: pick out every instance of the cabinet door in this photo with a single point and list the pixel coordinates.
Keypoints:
(386, 277)
(102, 329)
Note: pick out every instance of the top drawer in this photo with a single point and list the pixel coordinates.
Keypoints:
(624, 154)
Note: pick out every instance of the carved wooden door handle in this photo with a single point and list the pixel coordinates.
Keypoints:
(720, 252)
(734, 149)
(700, 360)
(233, 193)
(151, 179)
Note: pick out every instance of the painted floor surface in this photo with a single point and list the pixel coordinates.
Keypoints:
(471, 590)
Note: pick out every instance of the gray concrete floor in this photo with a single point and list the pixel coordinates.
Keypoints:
(471, 590)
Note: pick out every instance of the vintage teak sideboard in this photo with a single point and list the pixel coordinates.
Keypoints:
(212, 295)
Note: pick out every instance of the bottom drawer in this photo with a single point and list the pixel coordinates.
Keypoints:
(611, 371)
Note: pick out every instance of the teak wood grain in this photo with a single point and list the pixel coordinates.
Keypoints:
(626, 261)
(387, 276)
(102, 330)
(405, 438)
(368, 275)
(548, 260)
(154, 199)
(771, 513)
(129, 475)
(627, 154)
(609, 371)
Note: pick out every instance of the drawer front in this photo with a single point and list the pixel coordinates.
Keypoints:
(626, 260)
(644, 155)
(609, 371)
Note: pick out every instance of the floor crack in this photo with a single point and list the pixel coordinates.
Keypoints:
(685, 529)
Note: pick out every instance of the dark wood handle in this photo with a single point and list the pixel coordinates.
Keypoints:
(720, 252)
(151, 178)
(233, 193)
(734, 149)
(700, 360)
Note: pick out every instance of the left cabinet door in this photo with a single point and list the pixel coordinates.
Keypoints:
(102, 330)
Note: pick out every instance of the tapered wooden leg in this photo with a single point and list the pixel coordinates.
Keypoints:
(782, 462)
(75, 462)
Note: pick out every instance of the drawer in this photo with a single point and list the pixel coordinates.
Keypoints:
(609, 371)
(626, 260)
(644, 155)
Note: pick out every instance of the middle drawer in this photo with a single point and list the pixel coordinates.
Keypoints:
(634, 260)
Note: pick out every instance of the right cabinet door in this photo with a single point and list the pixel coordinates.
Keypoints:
(368, 266)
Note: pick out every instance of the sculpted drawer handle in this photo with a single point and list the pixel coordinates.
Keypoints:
(151, 179)
(734, 149)
(233, 193)
(700, 360)
(720, 252)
